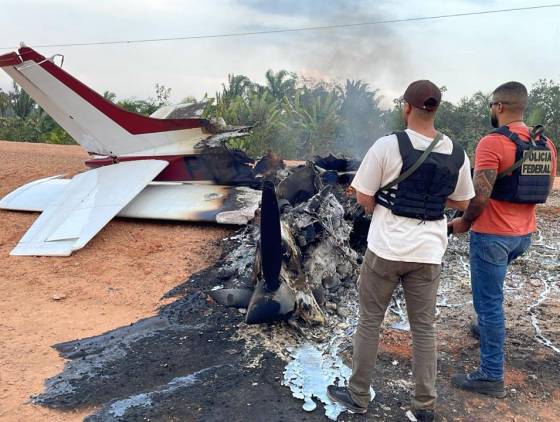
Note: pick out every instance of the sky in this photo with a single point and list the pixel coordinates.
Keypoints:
(464, 54)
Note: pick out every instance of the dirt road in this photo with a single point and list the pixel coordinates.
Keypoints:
(116, 279)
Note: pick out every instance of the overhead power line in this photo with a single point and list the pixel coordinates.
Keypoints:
(303, 29)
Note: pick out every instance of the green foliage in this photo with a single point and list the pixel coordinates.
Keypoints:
(296, 118)
(264, 113)
(544, 107)
(395, 116)
(21, 119)
(21, 103)
(471, 120)
(111, 96)
(145, 107)
(30, 129)
(312, 120)
(239, 86)
(4, 104)
(281, 84)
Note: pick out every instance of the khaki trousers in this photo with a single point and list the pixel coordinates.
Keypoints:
(378, 278)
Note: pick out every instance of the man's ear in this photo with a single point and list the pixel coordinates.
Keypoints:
(407, 108)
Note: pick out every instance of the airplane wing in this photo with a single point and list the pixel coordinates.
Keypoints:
(36, 195)
(88, 202)
(177, 201)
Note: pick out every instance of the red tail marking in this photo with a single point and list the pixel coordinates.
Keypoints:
(132, 122)
(10, 59)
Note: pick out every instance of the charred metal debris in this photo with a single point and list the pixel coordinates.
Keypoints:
(301, 248)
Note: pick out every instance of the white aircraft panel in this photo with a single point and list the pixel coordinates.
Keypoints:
(89, 201)
(197, 201)
(36, 195)
(95, 131)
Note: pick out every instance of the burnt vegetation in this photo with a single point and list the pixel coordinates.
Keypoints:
(296, 117)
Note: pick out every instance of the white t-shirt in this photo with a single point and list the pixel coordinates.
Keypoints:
(399, 238)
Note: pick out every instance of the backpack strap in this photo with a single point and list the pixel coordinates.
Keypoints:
(535, 132)
(405, 139)
(406, 149)
(514, 137)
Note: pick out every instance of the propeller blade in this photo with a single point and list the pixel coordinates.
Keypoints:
(271, 238)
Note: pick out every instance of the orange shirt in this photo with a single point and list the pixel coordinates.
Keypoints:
(496, 152)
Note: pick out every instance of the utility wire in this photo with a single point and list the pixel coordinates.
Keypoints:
(288, 30)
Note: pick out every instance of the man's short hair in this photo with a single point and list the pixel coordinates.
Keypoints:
(513, 95)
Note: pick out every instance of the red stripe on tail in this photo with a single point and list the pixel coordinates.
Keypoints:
(132, 122)
(10, 59)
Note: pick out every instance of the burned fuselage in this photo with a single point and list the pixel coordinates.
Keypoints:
(302, 253)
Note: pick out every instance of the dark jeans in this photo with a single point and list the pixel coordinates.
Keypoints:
(490, 256)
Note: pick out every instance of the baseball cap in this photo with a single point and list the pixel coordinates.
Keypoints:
(423, 94)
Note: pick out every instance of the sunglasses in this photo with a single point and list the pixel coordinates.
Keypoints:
(490, 104)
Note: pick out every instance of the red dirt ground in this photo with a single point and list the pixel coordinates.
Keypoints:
(106, 285)
(102, 286)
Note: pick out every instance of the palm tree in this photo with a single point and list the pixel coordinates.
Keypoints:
(21, 102)
(4, 103)
(363, 120)
(238, 86)
(111, 96)
(262, 111)
(356, 90)
(22, 105)
(314, 114)
(281, 84)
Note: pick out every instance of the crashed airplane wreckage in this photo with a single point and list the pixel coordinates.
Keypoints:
(140, 167)
(181, 169)
(305, 242)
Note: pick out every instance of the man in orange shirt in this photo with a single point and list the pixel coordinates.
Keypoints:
(514, 170)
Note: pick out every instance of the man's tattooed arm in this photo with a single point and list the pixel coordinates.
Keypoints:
(483, 184)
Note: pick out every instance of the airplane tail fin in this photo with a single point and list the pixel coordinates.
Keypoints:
(97, 124)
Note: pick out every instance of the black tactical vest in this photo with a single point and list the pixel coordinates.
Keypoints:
(423, 194)
(529, 183)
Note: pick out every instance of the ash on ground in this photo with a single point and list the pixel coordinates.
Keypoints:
(199, 360)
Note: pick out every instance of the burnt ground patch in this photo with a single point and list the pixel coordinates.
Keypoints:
(223, 393)
(195, 369)
(184, 362)
(139, 358)
(191, 363)
(180, 365)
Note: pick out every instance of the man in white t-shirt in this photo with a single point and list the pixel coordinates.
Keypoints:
(406, 241)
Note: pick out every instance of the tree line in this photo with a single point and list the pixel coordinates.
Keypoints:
(295, 117)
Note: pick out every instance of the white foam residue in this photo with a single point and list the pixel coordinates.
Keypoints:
(119, 408)
(549, 264)
(548, 287)
(397, 309)
(309, 374)
(411, 416)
